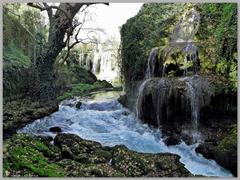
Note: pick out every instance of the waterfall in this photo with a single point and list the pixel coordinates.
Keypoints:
(194, 95)
(140, 98)
(199, 91)
(105, 65)
(151, 64)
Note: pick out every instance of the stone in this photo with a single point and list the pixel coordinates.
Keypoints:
(72, 156)
(78, 104)
(172, 140)
(55, 129)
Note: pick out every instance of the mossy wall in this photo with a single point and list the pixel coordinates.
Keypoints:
(216, 38)
(14, 32)
(148, 29)
(17, 43)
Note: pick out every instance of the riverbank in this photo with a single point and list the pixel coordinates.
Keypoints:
(71, 156)
(20, 112)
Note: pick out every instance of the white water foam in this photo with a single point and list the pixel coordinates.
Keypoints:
(107, 122)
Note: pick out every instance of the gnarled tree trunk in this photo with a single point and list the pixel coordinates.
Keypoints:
(61, 24)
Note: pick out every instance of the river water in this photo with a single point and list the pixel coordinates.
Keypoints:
(101, 118)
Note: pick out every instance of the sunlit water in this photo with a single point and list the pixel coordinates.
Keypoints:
(101, 118)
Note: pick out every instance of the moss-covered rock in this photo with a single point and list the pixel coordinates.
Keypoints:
(223, 149)
(134, 164)
(26, 156)
(18, 113)
(84, 151)
(72, 156)
(76, 169)
(226, 151)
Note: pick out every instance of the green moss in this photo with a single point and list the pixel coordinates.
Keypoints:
(229, 143)
(25, 153)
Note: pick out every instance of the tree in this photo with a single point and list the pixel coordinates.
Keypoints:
(61, 27)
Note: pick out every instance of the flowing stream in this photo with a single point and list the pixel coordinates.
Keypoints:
(101, 118)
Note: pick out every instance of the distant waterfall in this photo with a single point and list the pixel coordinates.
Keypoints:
(108, 69)
(102, 63)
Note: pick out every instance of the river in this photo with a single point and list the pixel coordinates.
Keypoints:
(101, 118)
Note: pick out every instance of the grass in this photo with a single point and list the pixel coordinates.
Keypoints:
(81, 89)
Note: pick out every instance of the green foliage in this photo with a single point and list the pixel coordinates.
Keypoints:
(229, 143)
(15, 71)
(15, 57)
(221, 66)
(81, 89)
(148, 29)
(218, 31)
(151, 27)
(233, 76)
(19, 26)
(29, 18)
(77, 90)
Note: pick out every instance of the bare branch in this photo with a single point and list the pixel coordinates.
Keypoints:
(47, 8)
(69, 47)
(49, 11)
(36, 5)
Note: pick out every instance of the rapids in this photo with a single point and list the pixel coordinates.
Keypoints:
(101, 118)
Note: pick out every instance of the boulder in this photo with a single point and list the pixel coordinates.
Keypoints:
(55, 129)
(223, 151)
(165, 101)
(78, 104)
(172, 140)
(72, 156)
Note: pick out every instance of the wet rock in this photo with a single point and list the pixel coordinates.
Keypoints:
(134, 164)
(46, 139)
(123, 100)
(78, 104)
(81, 150)
(223, 151)
(103, 83)
(17, 114)
(172, 140)
(55, 129)
(226, 151)
(206, 149)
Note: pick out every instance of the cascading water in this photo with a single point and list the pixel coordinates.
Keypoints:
(101, 118)
(151, 64)
(181, 38)
(108, 67)
(195, 98)
(102, 63)
(140, 98)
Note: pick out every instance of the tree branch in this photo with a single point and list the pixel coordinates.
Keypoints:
(49, 11)
(47, 8)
